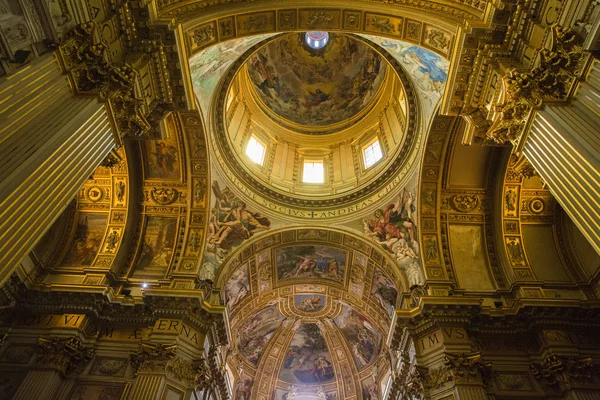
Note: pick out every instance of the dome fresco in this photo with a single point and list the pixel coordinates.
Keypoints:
(316, 87)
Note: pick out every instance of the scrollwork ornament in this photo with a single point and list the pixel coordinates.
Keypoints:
(437, 377)
(164, 196)
(465, 203)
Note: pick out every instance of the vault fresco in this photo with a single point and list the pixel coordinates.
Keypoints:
(309, 302)
(237, 287)
(301, 262)
(316, 87)
(394, 229)
(210, 65)
(363, 338)
(384, 291)
(307, 360)
(255, 333)
(427, 70)
(230, 224)
(309, 335)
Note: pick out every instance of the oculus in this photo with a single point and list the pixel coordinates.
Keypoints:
(316, 39)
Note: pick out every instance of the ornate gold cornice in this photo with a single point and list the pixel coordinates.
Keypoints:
(102, 307)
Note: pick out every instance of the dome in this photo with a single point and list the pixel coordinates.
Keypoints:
(308, 137)
(314, 82)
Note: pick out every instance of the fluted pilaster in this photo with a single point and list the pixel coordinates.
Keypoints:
(39, 385)
(51, 141)
(564, 148)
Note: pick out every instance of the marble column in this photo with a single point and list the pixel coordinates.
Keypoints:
(563, 146)
(50, 143)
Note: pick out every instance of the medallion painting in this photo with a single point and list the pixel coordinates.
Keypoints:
(309, 302)
(307, 360)
(157, 247)
(255, 333)
(394, 228)
(316, 87)
(237, 287)
(364, 339)
(301, 262)
(384, 291)
(86, 240)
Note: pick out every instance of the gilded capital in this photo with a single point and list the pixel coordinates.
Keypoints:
(523, 91)
(68, 355)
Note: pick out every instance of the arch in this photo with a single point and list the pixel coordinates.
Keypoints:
(443, 27)
(272, 239)
(274, 304)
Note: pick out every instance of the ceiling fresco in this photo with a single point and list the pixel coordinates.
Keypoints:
(303, 331)
(209, 66)
(316, 88)
(427, 70)
(302, 262)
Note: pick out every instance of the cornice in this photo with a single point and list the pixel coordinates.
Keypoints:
(522, 317)
(100, 305)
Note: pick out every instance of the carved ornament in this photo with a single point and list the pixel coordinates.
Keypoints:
(467, 367)
(112, 159)
(554, 80)
(465, 203)
(164, 196)
(437, 377)
(68, 355)
(560, 372)
(83, 57)
(152, 357)
(522, 167)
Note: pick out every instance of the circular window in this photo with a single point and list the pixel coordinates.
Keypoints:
(316, 39)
